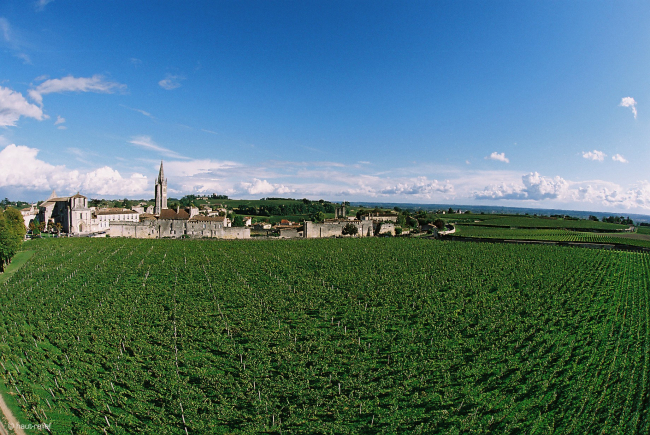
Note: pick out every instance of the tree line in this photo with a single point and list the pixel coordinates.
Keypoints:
(12, 234)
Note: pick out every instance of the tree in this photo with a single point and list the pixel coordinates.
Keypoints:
(238, 221)
(12, 233)
(439, 223)
(318, 217)
(450, 211)
(350, 229)
(593, 218)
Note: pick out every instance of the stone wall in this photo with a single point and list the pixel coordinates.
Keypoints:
(176, 228)
(315, 230)
(387, 227)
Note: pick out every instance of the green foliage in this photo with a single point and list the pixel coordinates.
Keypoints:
(556, 235)
(238, 221)
(439, 223)
(619, 220)
(318, 217)
(232, 337)
(350, 230)
(12, 234)
(532, 222)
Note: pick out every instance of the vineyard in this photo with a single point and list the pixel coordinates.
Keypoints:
(557, 235)
(541, 222)
(326, 336)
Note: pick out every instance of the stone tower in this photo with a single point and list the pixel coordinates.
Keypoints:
(161, 191)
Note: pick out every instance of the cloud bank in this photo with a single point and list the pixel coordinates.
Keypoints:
(21, 168)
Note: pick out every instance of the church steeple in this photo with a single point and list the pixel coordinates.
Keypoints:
(161, 191)
(161, 173)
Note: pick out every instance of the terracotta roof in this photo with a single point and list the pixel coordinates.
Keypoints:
(200, 218)
(146, 216)
(168, 213)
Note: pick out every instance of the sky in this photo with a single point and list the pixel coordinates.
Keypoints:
(511, 103)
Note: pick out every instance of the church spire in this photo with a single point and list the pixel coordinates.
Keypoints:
(161, 192)
(161, 173)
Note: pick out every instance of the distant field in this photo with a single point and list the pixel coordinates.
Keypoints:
(558, 235)
(538, 222)
(643, 230)
(327, 336)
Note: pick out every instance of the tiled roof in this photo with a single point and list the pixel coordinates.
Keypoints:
(168, 213)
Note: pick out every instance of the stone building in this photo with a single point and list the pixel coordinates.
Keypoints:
(334, 228)
(71, 212)
(102, 218)
(379, 217)
(29, 214)
(179, 223)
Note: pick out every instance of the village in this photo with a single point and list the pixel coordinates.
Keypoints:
(72, 216)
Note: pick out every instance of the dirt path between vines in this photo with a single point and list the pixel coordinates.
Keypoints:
(13, 423)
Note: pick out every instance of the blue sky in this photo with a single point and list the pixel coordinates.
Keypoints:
(522, 103)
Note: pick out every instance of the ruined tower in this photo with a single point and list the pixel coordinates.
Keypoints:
(161, 191)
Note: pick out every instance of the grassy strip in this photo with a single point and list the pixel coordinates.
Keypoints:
(16, 263)
(13, 406)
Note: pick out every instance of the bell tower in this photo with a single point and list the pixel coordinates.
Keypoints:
(161, 191)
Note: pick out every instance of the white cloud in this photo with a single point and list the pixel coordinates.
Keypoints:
(40, 4)
(59, 120)
(612, 195)
(629, 102)
(13, 41)
(21, 169)
(95, 83)
(148, 143)
(534, 187)
(143, 112)
(421, 186)
(25, 57)
(13, 105)
(263, 187)
(594, 155)
(108, 181)
(619, 158)
(198, 167)
(498, 156)
(561, 192)
(171, 82)
(6, 29)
